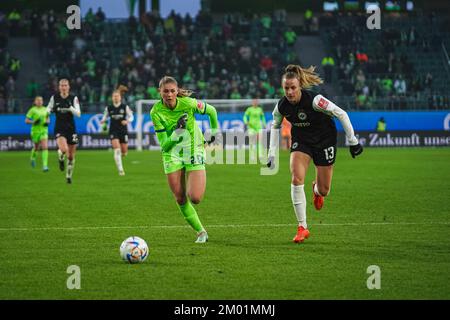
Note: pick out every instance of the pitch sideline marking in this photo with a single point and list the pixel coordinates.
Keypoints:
(224, 226)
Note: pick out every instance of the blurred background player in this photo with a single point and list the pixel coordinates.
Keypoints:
(314, 136)
(182, 145)
(65, 106)
(381, 125)
(120, 115)
(38, 117)
(255, 121)
(285, 134)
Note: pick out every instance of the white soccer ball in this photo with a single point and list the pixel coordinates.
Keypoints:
(134, 250)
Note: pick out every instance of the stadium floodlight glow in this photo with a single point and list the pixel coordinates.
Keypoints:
(372, 5)
(409, 5)
(330, 6)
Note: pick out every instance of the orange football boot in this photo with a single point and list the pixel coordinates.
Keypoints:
(317, 200)
(301, 235)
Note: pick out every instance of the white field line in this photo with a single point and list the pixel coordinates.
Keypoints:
(226, 226)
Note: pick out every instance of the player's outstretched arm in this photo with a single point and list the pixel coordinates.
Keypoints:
(103, 120)
(105, 116)
(322, 104)
(213, 121)
(245, 118)
(263, 119)
(50, 105)
(274, 136)
(130, 116)
(75, 109)
(28, 118)
(165, 141)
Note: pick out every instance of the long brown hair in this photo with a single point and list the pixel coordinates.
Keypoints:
(306, 77)
(181, 91)
(121, 89)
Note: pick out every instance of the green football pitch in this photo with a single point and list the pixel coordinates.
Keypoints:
(388, 208)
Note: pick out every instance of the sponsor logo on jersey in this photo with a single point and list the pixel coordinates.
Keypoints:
(323, 103)
(302, 116)
(200, 105)
(63, 110)
(295, 145)
(302, 124)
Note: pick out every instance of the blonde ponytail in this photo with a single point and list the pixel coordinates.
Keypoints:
(181, 91)
(306, 77)
(184, 92)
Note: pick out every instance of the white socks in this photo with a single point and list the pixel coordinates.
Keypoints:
(70, 166)
(316, 191)
(60, 155)
(299, 201)
(118, 159)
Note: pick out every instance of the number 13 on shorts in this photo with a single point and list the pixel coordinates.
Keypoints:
(329, 153)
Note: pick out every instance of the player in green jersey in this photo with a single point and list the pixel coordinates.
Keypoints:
(39, 119)
(182, 145)
(255, 121)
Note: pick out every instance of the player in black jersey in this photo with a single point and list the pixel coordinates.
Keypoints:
(120, 115)
(313, 137)
(65, 106)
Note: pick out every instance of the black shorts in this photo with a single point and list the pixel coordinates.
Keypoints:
(122, 136)
(322, 156)
(71, 137)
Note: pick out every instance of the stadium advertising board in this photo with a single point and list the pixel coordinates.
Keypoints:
(400, 138)
(404, 129)
(362, 121)
(366, 138)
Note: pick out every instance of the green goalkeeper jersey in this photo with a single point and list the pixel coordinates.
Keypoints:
(39, 117)
(254, 118)
(165, 121)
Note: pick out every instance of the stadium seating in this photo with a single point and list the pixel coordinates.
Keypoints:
(225, 53)
(241, 55)
(9, 70)
(400, 66)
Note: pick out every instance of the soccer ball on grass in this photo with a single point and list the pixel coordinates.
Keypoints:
(134, 250)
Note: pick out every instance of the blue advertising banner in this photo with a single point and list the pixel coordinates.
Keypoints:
(238, 140)
(362, 121)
